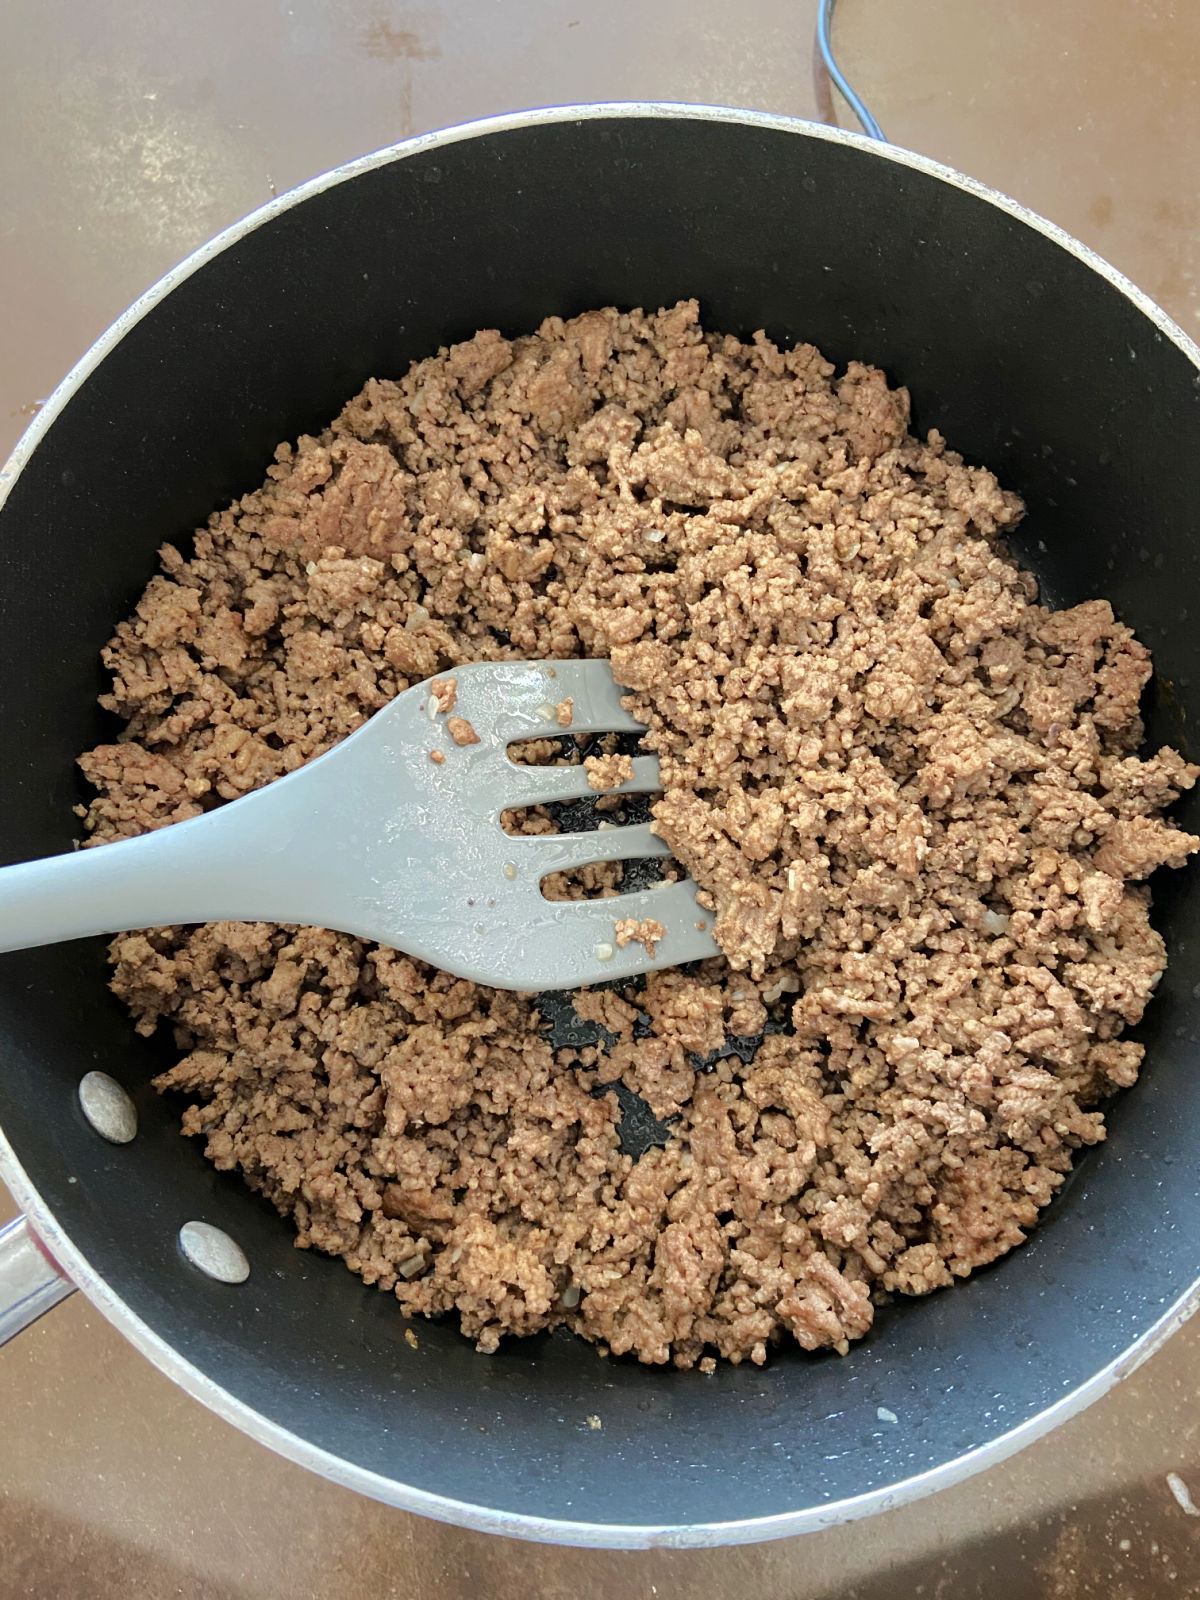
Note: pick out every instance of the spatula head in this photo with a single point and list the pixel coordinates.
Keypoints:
(432, 872)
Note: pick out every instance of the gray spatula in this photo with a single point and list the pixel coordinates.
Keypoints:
(377, 838)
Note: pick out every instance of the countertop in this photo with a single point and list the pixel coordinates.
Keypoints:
(132, 130)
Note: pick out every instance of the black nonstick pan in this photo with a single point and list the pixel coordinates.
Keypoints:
(1032, 356)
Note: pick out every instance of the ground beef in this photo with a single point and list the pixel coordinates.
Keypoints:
(909, 793)
(645, 931)
(444, 694)
(608, 772)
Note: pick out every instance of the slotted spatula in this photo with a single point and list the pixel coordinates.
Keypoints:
(377, 838)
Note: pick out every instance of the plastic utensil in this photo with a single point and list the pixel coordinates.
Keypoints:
(380, 838)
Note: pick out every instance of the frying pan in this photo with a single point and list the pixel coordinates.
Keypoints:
(1033, 357)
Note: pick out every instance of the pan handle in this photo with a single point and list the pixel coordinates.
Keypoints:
(31, 1281)
(825, 45)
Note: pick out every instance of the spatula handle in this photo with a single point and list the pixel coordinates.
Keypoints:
(242, 863)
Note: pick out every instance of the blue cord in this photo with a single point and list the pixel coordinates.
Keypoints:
(824, 43)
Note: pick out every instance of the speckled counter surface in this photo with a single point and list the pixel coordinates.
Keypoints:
(130, 132)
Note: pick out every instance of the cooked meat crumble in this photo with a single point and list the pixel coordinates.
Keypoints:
(444, 694)
(608, 772)
(911, 795)
(646, 931)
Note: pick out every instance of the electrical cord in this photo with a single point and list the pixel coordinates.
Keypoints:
(825, 44)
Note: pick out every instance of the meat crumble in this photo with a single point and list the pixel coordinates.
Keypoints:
(443, 692)
(646, 931)
(608, 771)
(911, 796)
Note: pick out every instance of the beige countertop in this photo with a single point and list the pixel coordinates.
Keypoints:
(131, 131)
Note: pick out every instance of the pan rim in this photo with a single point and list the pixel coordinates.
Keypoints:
(190, 1377)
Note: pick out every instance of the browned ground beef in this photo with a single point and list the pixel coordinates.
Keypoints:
(909, 793)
